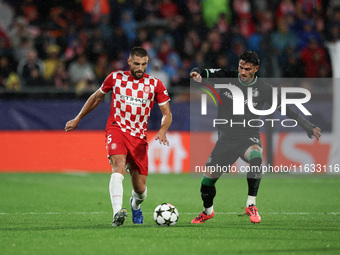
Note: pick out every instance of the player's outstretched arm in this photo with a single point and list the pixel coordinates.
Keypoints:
(311, 129)
(166, 122)
(92, 102)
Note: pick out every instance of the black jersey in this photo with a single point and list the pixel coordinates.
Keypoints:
(247, 123)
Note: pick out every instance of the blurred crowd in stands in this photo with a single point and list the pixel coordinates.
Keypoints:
(75, 44)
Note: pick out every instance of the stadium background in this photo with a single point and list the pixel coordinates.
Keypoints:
(77, 43)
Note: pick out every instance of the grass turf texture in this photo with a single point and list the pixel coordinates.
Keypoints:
(71, 214)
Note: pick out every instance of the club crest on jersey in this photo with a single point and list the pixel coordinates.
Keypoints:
(256, 93)
(146, 89)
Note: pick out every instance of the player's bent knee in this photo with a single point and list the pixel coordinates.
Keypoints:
(255, 154)
(208, 181)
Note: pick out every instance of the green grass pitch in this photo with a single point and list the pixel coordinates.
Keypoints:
(71, 214)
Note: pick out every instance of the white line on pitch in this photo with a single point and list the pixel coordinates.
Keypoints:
(50, 213)
(187, 213)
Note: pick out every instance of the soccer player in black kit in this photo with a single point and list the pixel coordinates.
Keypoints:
(236, 141)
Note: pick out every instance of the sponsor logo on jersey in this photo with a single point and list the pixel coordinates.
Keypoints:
(214, 70)
(254, 139)
(133, 99)
(228, 94)
(113, 146)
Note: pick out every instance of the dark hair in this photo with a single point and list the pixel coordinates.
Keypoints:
(250, 57)
(139, 52)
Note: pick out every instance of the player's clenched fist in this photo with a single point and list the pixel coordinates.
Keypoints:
(72, 124)
(196, 76)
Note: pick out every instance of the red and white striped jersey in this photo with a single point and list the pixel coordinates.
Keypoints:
(132, 100)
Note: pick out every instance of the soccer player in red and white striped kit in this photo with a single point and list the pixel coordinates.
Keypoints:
(133, 95)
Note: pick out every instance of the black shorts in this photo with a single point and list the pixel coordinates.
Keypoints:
(227, 150)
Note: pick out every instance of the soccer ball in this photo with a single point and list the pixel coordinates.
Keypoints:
(165, 214)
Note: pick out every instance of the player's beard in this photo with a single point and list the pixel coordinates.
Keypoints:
(139, 74)
(247, 80)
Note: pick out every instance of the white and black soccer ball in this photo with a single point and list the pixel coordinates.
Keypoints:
(165, 214)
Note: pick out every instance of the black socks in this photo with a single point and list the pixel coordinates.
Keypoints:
(208, 193)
